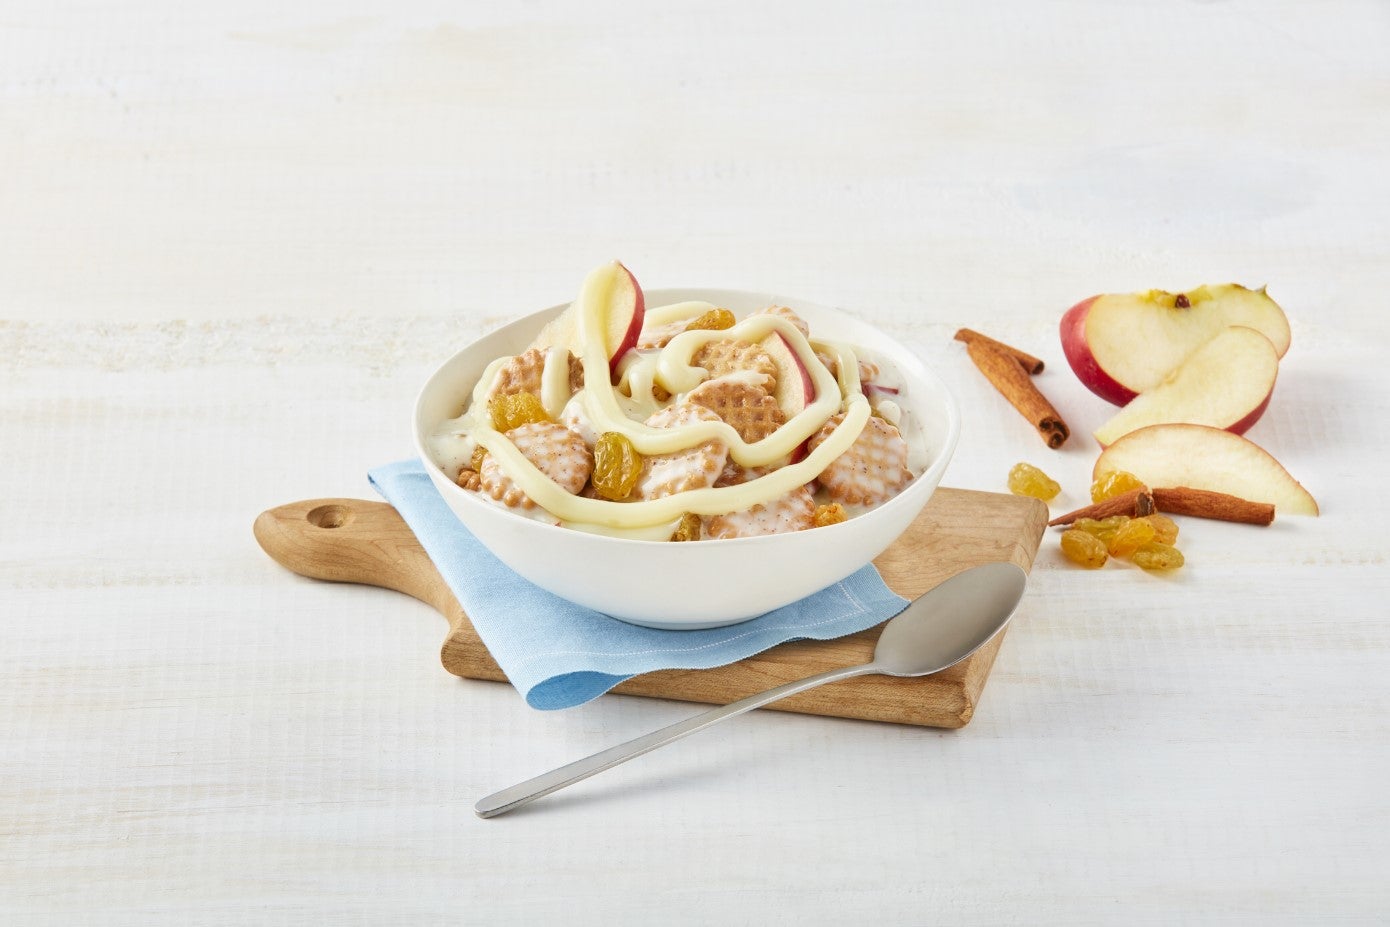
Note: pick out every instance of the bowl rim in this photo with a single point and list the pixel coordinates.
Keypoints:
(928, 477)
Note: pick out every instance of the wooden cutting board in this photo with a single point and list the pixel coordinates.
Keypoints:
(355, 541)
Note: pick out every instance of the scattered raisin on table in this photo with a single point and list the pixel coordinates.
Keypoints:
(1102, 528)
(1165, 529)
(1114, 484)
(1027, 480)
(1155, 556)
(1129, 537)
(1084, 549)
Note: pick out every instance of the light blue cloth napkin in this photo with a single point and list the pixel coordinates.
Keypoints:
(558, 654)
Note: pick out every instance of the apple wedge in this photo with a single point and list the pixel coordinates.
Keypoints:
(626, 307)
(1121, 345)
(1202, 457)
(795, 389)
(1225, 383)
(622, 319)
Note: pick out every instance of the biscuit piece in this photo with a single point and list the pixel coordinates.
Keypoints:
(872, 470)
(522, 374)
(795, 511)
(868, 370)
(660, 336)
(727, 356)
(753, 413)
(736, 475)
(789, 315)
(829, 363)
(553, 449)
(693, 468)
(576, 419)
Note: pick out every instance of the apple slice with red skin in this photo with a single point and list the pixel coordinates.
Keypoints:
(795, 389)
(1202, 457)
(1225, 383)
(1120, 345)
(622, 321)
(626, 307)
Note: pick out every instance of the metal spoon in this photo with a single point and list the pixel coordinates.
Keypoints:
(939, 629)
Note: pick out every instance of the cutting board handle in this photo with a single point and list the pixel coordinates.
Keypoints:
(354, 541)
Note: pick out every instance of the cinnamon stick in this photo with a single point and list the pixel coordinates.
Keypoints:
(1202, 503)
(1136, 503)
(1030, 363)
(1008, 376)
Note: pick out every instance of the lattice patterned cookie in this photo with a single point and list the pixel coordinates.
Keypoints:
(749, 409)
(727, 356)
(736, 474)
(661, 335)
(868, 370)
(576, 419)
(522, 374)
(553, 449)
(693, 468)
(795, 511)
(788, 314)
(872, 470)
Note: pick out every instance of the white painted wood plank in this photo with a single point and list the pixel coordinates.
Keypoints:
(233, 242)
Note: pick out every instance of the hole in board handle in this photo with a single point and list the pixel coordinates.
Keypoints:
(329, 516)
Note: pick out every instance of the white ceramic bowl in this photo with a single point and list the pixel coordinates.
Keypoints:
(705, 584)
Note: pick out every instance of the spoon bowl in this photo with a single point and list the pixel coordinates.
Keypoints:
(949, 622)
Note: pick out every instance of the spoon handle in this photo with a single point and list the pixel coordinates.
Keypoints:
(523, 792)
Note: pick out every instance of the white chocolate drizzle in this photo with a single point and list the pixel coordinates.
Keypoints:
(672, 368)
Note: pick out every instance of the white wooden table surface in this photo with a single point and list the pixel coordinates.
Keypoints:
(233, 241)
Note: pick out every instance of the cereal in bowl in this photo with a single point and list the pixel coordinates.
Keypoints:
(680, 422)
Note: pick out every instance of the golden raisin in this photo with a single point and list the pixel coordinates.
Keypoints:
(713, 321)
(831, 514)
(1129, 537)
(688, 529)
(516, 409)
(617, 465)
(479, 453)
(1165, 529)
(1102, 528)
(1027, 480)
(1085, 549)
(1114, 484)
(1155, 556)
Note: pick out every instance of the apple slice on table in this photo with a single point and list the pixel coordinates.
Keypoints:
(1225, 383)
(1202, 457)
(622, 319)
(1121, 345)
